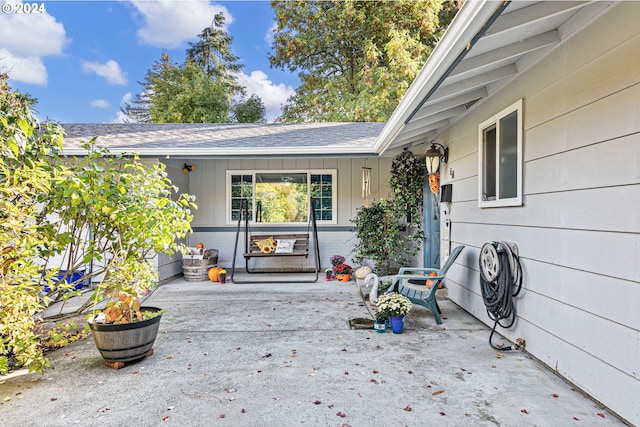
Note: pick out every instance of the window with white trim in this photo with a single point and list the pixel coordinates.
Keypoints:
(282, 196)
(500, 158)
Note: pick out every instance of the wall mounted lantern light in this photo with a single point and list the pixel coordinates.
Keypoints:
(433, 156)
(188, 168)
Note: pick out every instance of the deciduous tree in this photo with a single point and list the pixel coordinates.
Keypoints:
(355, 58)
(251, 110)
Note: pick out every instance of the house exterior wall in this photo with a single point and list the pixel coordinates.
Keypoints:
(170, 266)
(208, 184)
(579, 228)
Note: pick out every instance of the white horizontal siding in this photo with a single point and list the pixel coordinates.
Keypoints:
(208, 184)
(579, 228)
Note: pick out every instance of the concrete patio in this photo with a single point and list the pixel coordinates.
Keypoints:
(284, 354)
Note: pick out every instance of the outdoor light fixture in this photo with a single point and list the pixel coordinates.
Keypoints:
(188, 168)
(433, 156)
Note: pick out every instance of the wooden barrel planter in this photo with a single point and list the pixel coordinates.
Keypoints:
(126, 342)
(195, 270)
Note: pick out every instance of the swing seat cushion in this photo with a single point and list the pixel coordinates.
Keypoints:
(278, 245)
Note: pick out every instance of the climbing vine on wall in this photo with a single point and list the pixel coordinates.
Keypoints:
(407, 183)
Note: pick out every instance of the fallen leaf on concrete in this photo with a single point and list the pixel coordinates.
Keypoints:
(312, 374)
(6, 399)
(442, 413)
(555, 395)
(230, 390)
(435, 393)
(221, 416)
(408, 408)
(165, 418)
(171, 356)
(576, 418)
(600, 414)
(341, 415)
(499, 355)
(53, 399)
(243, 410)
(524, 411)
(317, 402)
(346, 373)
(492, 366)
(266, 355)
(103, 409)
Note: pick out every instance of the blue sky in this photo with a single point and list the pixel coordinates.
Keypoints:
(82, 59)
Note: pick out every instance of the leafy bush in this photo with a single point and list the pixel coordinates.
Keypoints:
(27, 175)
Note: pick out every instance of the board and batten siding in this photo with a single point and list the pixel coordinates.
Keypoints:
(578, 230)
(208, 184)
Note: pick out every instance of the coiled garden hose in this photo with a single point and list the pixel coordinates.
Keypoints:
(500, 282)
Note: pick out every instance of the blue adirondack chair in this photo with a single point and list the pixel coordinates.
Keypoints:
(419, 293)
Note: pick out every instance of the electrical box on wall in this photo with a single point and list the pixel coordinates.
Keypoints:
(445, 193)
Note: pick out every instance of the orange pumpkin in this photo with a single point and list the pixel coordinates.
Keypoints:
(199, 245)
(429, 283)
(213, 274)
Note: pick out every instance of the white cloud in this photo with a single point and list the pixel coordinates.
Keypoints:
(110, 71)
(27, 70)
(25, 39)
(126, 98)
(273, 95)
(168, 23)
(122, 118)
(100, 103)
(268, 38)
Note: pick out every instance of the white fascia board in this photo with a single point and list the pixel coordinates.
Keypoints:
(469, 21)
(234, 152)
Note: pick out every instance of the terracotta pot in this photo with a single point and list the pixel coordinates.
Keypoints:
(343, 277)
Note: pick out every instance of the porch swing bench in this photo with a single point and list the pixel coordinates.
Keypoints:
(276, 245)
(299, 245)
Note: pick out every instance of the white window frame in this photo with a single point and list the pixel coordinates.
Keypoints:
(309, 172)
(494, 121)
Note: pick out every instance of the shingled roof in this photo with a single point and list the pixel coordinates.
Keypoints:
(227, 140)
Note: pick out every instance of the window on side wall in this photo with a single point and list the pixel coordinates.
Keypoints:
(500, 158)
(282, 197)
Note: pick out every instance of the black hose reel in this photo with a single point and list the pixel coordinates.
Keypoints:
(500, 282)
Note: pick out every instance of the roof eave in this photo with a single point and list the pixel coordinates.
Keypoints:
(470, 21)
(189, 153)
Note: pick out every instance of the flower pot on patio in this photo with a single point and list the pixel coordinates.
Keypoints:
(397, 324)
(125, 342)
(380, 325)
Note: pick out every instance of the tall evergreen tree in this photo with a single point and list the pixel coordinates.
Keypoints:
(213, 53)
(197, 91)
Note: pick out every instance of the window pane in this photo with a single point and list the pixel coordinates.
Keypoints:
(281, 197)
(323, 196)
(241, 187)
(489, 164)
(509, 156)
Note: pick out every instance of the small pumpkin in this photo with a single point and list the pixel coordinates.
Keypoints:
(199, 245)
(214, 273)
(429, 283)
